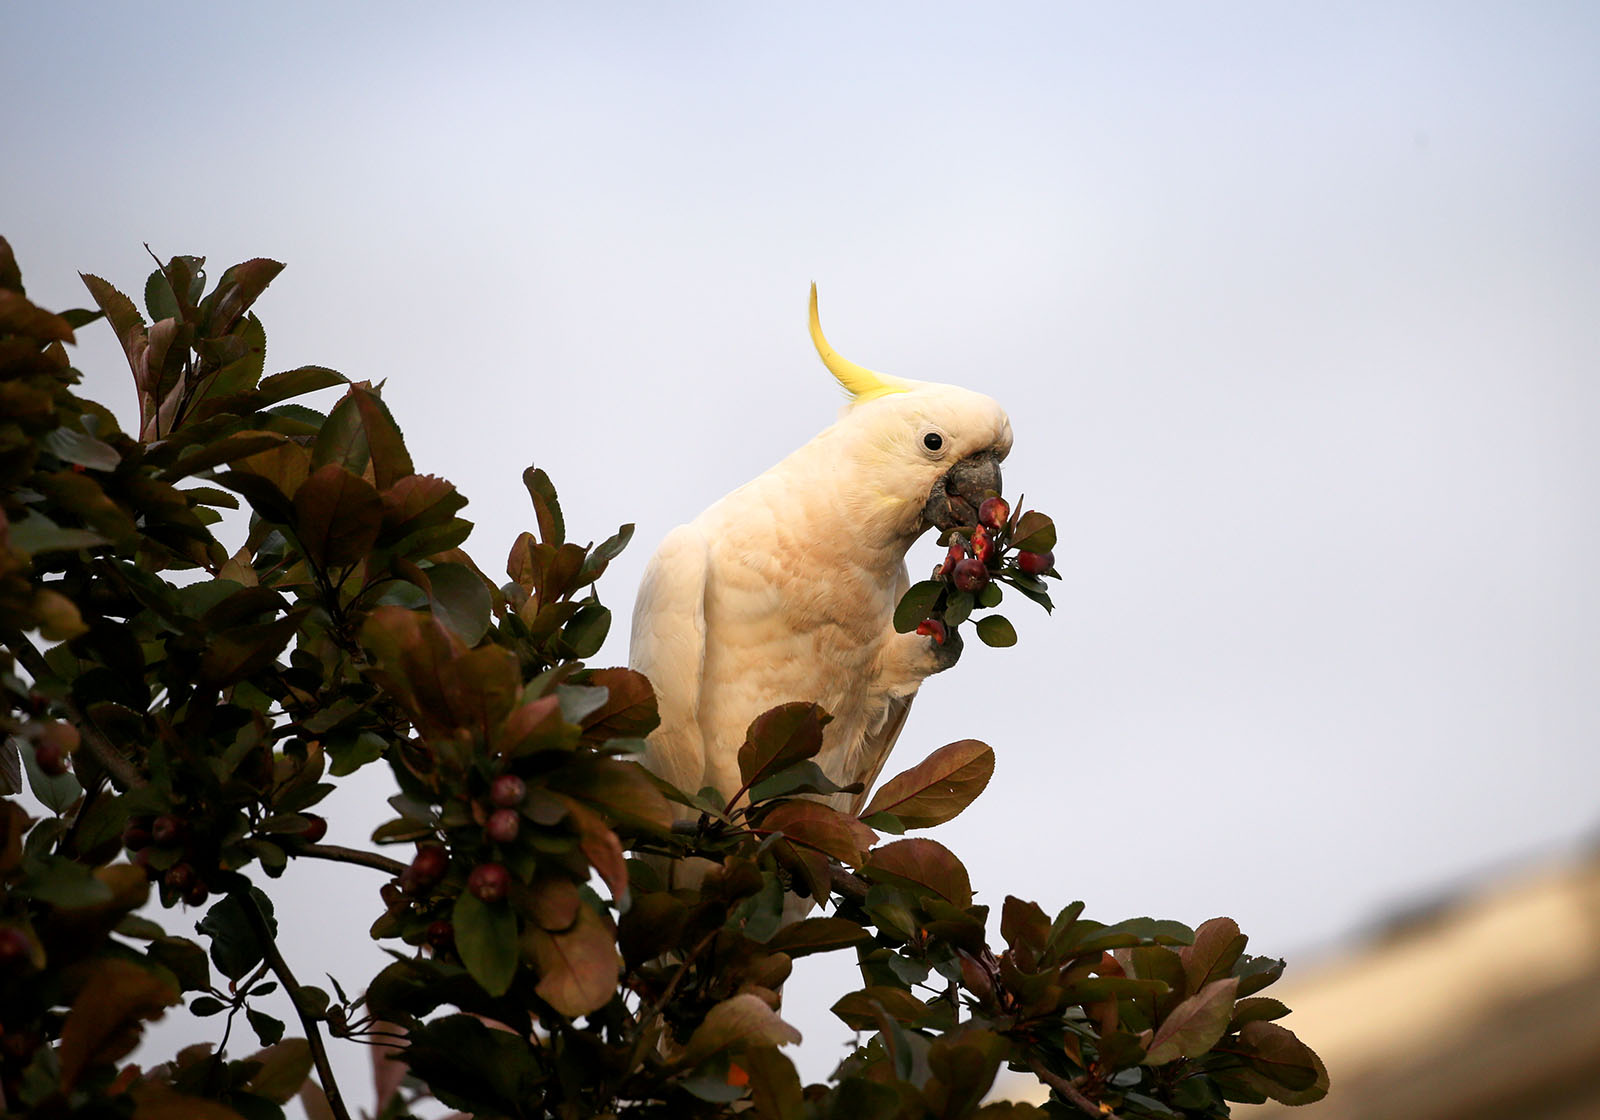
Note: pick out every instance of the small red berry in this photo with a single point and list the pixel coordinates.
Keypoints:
(52, 762)
(503, 826)
(970, 575)
(507, 791)
(933, 628)
(167, 831)
(489, 882)
(440, 935)
(316, 828)
(59, 734)
(430, 865)
(136, 833)
(982, 546)
(179, 877)
(1036, 563)
(197, 893)
(993, 512)
(14, 948)
(957, 553)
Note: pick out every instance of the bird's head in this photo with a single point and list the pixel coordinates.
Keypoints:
(933, 451)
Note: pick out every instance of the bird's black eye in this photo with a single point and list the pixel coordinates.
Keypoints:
(933, 441)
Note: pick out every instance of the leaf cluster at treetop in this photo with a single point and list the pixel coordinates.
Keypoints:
(180, 707)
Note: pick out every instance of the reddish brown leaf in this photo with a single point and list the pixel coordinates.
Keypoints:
(534, 725)
(820, 828)
(418, 501)
(736, 1024)
(241, 651)
(481, 686)
(859, 1013)
(1024, 926)
(630, 708)
(1217, 945)
(337, 516)
(155, 1100)
(578, 969)
(390, 460)
(816, 935)
(553, 902)
(623, 790)
(938, 787)
(409, 650)
(1195, 1025)
(18, 315)
(1290, 1071)
(284, 1068)
(781, 736)
(108, 1016)
(601, 848)
(926, 863)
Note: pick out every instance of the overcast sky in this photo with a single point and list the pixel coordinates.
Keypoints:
(1296, 313)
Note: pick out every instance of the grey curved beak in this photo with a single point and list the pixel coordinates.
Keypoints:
(953, 502)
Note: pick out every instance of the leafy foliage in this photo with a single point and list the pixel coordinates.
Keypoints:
(560, 947)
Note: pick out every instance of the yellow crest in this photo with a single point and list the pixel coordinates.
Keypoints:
(861, 383)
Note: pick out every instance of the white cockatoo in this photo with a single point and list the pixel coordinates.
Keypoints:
(785, 589)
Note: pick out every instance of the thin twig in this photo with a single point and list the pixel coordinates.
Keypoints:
(660, 1001)
(1070, 1091)
(280, 967)
(114, 761)
(342, 855)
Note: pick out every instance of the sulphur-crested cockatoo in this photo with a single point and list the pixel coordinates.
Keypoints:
(785, 589)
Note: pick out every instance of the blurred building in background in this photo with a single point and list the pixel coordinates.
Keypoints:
(1483, 1007)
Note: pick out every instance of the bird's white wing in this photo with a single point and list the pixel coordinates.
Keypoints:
(668, 646)
(877, 750)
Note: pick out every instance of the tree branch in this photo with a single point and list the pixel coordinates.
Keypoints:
(337, 854)
(114, 761)
(1070, 1091)
(280, 967)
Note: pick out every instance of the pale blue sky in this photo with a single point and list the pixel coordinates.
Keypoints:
(1296, 312)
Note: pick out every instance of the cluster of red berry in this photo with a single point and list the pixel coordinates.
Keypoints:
(978, 556)
(172, 854)
(488, 881)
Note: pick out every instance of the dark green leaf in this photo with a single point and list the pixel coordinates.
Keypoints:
(268, 1029)
(75, 446)
(817, 935)
(55, 792)
(996, 630)
(235, 948)
(459, 599)
(1035, 532)
(486, 938)
(957, 608)
(185, 960)
(916, 605)
(804, 776)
